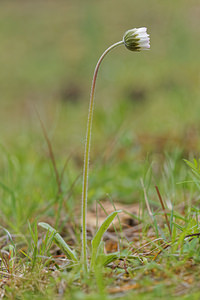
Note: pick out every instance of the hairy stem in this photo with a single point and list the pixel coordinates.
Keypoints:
(87, 156)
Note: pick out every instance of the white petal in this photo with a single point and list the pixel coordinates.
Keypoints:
(144, 39)
(143, 35)
(146, 47)
(141, 30)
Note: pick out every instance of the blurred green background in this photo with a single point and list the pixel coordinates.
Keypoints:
(146, 103)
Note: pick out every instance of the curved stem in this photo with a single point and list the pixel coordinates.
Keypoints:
(87, 155)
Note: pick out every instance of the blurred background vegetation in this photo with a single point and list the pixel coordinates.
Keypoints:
(146, 103)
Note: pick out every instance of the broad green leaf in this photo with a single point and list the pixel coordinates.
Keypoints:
(60, 242)
(98, 236)
(106, 259)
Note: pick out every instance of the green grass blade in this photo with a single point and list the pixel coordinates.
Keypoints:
(60, 242)
(9, 236)
(12, 194)
(98, 236)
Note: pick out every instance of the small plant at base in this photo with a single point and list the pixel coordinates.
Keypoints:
(136, 40)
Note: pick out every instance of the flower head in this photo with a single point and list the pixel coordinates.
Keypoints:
(137, 39)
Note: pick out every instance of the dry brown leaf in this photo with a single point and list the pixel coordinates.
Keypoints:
(124, 288)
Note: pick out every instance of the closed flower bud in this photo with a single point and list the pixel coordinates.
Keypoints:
(137, 39)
